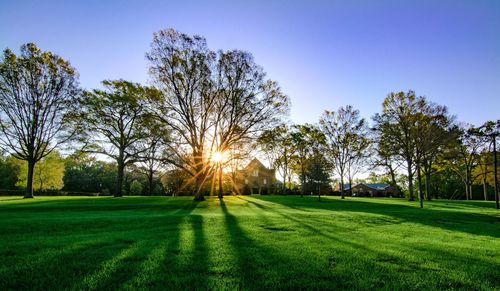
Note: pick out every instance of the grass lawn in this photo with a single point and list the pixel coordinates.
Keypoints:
(257, 242)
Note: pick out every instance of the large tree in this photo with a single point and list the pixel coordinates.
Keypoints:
(345, 133)
(112, 123)
(37, 89)
(434, 133)
(211, 101)
(384, 158)
(490, 130)
(397, 124)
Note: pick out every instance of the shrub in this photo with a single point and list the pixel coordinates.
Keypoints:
(158, 190)
(135, 188)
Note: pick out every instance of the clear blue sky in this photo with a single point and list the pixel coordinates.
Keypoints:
(324, 53)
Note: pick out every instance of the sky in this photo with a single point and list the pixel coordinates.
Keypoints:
(324, 54)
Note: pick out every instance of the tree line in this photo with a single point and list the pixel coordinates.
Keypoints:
(204, 103)
(411, 143)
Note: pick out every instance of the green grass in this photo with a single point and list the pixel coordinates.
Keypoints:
(262, 242)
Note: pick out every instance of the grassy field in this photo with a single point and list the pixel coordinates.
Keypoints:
(257, 242)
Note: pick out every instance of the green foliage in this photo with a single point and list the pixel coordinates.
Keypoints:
(135, 188)
(9, 172)
(158, 190)
(248, 243)
(84, 173)
(112, 122)
(49, 173)
(306, 139)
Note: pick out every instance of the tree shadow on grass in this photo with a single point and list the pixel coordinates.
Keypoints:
(177, 257)
(111, 257)
(58, 268)
(251, 266)
(262, 265)
(55, 204)
(466, 204)
(388, 268)
(462, 221)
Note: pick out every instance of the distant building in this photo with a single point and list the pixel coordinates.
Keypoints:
(255, 178)
(371, 190)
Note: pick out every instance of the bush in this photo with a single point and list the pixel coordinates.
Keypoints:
(135, 188)
(158, 190)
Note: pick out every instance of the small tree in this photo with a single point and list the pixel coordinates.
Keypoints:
(463, 156)
(346, 140)
(154, 152)
(37, 90)
(318, 171)
(305, 138)
(278, 146)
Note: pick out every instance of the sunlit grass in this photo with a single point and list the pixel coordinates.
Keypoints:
(257, 242)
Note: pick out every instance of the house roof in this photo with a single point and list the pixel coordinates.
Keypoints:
(378, 186)
(374, 186)
(258, 163)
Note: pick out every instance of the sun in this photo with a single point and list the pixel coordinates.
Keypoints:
(218, 157)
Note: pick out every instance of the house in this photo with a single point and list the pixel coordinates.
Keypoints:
(372, 190)
(255, 178)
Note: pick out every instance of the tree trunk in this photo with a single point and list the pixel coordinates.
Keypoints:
(495, 179)
(150, 182)
(470, 190)
(350, 186)
(200, 176)
(485, 182)
(319, 193)
(466, 190)
(485, 189)
(410, 180)
(420, 190)
(341, 185)
(233, 176)
(220, 182)
(303, 178)
(428, 185)
(393, 176)
(119, 179)
(198, 194)
(467, 178)
(285, 173)
(29, 183)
